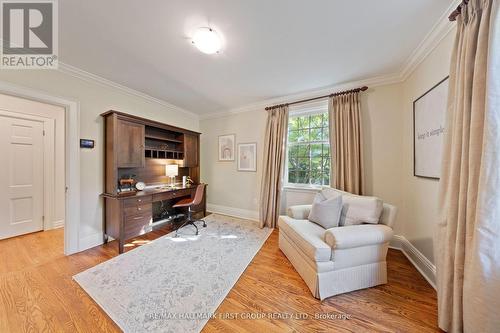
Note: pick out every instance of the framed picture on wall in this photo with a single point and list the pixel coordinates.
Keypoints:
(429, 113)
(226, 147)
(247, 156)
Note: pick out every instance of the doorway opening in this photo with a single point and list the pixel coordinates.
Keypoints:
(32, 186)
(40, 155)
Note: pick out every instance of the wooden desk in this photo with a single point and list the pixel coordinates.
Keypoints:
(131, 215)
(143, 147)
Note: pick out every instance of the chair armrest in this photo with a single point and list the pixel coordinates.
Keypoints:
(299, 212)
(358, 235)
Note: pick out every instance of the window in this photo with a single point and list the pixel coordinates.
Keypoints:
(308, 146)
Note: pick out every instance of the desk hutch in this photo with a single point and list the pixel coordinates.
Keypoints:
(142, 147)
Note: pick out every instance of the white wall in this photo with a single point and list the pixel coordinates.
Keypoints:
(420, 211)
(228, 188)
(94, 99)
(382, 119)
(233, 191)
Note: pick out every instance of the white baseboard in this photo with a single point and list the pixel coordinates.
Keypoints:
(51, 225)
(395, 242)
(57, 224)
(235, 212)
(90, 241)
(421, 263)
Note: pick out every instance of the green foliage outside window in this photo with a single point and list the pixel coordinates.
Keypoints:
(309, 150)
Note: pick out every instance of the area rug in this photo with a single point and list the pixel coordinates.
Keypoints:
(175, 284)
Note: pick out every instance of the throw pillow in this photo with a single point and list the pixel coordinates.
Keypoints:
(326, 211)
(357, 209)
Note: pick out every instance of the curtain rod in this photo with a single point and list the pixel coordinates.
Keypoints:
(320, 97)
(453, 16)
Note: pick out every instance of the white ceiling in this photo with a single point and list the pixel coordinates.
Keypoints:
(272, 47)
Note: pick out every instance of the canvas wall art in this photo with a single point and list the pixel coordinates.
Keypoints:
(429, 113)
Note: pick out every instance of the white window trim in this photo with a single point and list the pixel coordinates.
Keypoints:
(299, 110)
(291, 187)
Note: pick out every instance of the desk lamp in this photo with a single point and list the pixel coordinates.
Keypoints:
(171, 170)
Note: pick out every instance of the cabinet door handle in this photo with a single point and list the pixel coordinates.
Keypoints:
(139, 208)
(139, 200)
(138, 218)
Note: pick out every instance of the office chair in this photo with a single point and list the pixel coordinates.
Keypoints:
(190, 203)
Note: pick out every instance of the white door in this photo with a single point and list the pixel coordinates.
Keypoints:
(21, 176)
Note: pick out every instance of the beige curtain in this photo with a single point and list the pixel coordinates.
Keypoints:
(468, 233)
(272, 170)
(346, 143)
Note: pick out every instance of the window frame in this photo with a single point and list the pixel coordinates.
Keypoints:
(301, 110)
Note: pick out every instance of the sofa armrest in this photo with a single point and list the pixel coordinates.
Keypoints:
(299, 212)
(357, 235)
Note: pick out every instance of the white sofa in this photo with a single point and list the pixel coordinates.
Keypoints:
(337, 260)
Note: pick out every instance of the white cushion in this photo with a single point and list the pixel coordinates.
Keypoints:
(326, 212)
(299, 212)
(388, 216)
(307, 236)
(357, 235)
(357, 209)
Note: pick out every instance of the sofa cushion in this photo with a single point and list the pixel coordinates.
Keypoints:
(326, 212)
(299, 212)
(307, 236)
(359, 235)
(357, 209)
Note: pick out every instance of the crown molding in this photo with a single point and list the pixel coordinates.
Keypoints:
(438, 32)
(92, 78)
(370, 82)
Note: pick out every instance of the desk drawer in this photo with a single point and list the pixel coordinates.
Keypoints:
(137, 225)
(132, 202)
(171, 195)
(137, 209)
(163, 196)
(185, 192)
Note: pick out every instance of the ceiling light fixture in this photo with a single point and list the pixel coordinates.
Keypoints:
(207, 40)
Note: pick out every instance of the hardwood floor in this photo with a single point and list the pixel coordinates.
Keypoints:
(37, 294)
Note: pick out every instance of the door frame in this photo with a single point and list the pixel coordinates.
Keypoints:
(72, 157)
